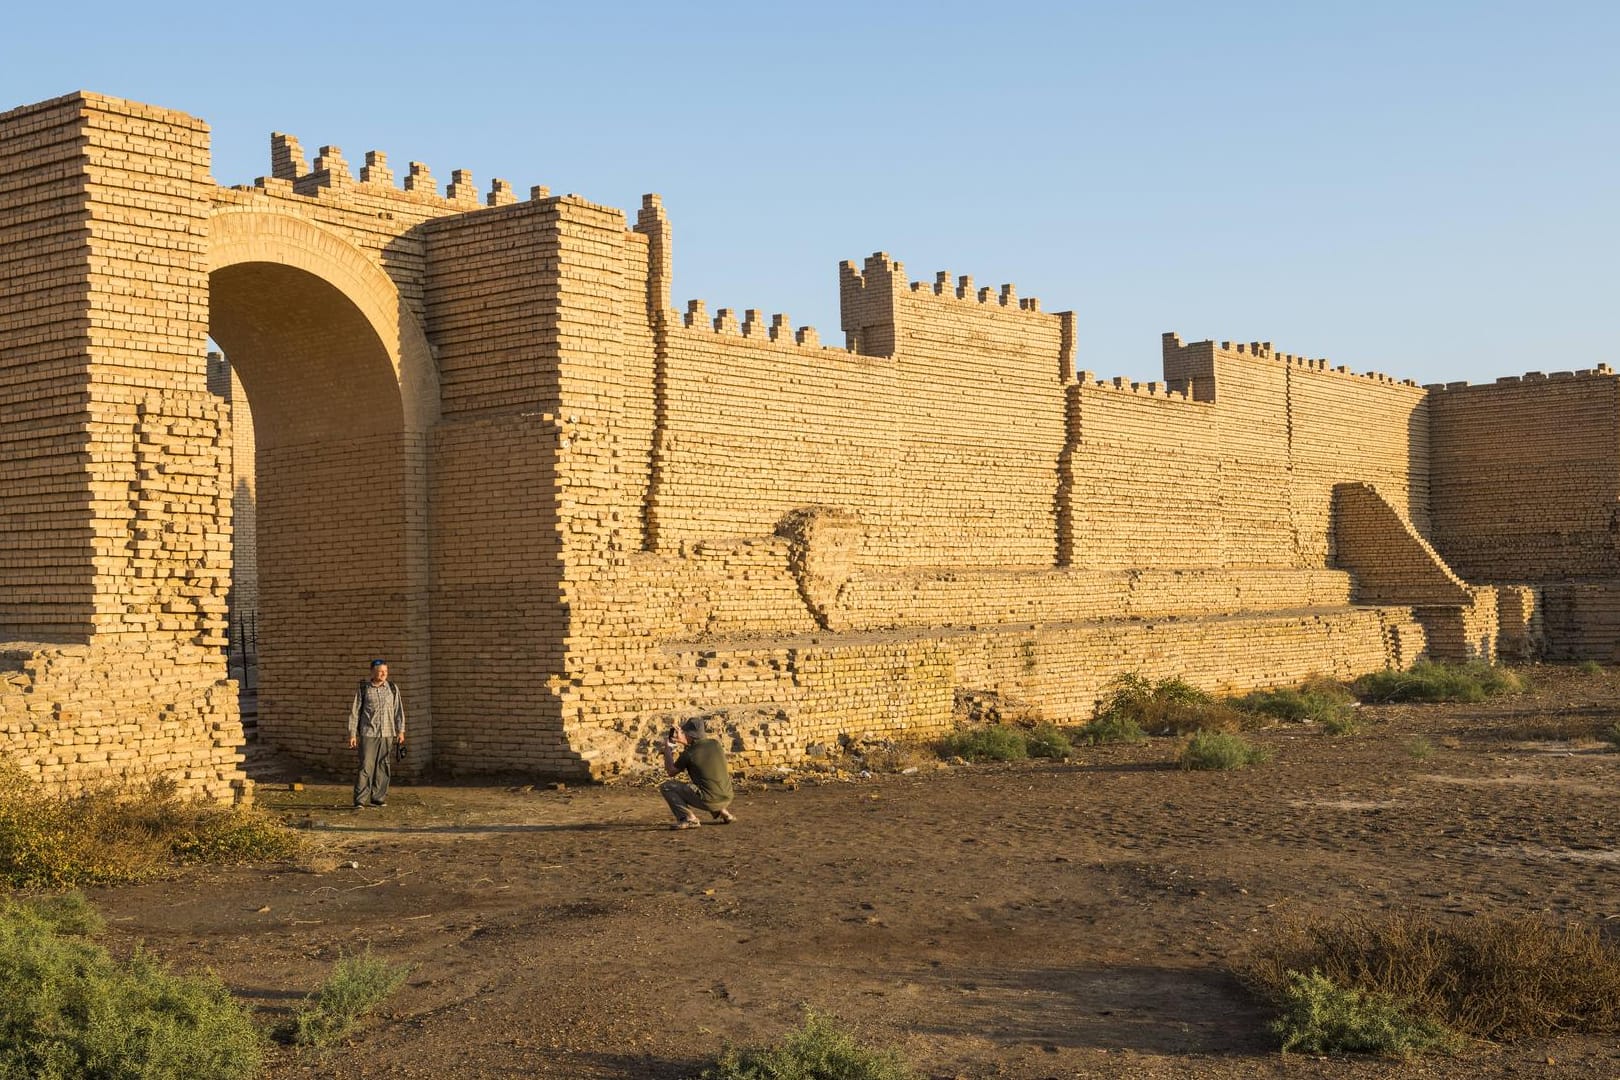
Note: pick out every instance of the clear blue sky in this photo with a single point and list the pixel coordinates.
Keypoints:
(1427, 189)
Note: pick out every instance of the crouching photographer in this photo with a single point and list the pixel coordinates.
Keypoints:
(690, 749)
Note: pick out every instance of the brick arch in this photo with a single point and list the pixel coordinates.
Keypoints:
(238, 236)
(343, 393)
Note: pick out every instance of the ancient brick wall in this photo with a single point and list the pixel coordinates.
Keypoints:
(1525, 478)
(123, 440)
(486, 446)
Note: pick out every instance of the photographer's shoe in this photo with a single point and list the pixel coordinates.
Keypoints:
(724, 817)
(687, 823)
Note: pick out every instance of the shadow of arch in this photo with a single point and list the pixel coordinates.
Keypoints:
(342, 392)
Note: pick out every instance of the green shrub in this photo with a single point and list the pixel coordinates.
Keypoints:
(1111, 729)
(1611, 735)
(1318, 701)
(1589, 667)
(1167, 707)
(1345, 723)
(69, 1011)
(1317, 1017)
(112, 835)
(1490, 978)
(1429, 681)
(1047, 741)
(357, 985)
(818, 1050)
(995, 743)
(1220, 750)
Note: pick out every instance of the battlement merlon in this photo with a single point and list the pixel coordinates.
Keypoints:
(1194, 367)
(881, 307)
(1601, 371)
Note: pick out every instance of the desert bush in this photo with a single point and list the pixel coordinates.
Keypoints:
(69, 1011)
(1492, 978)
(1220, 750)
(111, 834)
(357, 985)
(1611, 735)
(1589, 667)
(1419, 748)
(1317, 1017)
(1048, 741)
(1430, 681)
(1318, 700)
(996, 743)
(820, 1049)
(1345, 723)
(1110, 729)
(1168, 707)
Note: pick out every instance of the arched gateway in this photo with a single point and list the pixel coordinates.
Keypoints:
(487, 449)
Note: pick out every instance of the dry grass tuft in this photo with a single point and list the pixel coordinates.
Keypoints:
(1501, 979)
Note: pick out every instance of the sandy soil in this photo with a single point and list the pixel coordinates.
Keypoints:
(1027, 921)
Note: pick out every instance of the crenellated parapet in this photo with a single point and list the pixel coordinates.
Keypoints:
(1600, 371)
(753, 326)
(288, 166)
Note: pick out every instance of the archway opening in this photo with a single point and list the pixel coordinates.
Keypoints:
(327, 575)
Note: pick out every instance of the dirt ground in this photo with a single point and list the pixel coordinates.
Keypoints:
(1023, 921)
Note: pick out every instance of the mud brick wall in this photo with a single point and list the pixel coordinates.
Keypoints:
(944, 458)
(1582, 620)
(1141, 475)
(1063, 670)
(500, 627)
(112, 364)
(47, 571)
(1525, 478)
(984, 426)
(486, 446)
(1288, 429)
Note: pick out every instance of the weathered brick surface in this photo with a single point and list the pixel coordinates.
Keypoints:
(486, 445)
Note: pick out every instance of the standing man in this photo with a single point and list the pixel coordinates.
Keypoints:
(704, 761)
(376, 725)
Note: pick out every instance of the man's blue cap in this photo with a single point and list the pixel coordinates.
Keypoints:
(378, 663)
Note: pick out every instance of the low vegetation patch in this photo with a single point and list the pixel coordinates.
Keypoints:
(1220, 750)
(1111, 729)
(1317, 701)
(1168, 707)
(1500, 979)
(357, 985)
(820, 1049)
(113, 835)
(69, 1011)
(1048, 741)
(1315, 1016)
(994, 743)
(1589, 667)
(1007, 742)
(1430, 681)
